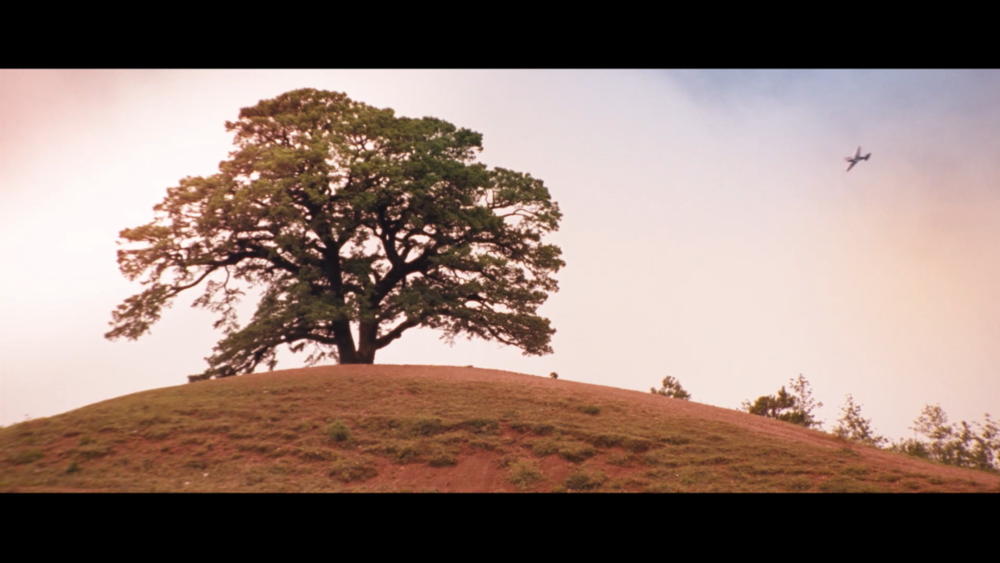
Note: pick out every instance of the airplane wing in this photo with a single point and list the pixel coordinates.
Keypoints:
(857, 153)
(853, 162)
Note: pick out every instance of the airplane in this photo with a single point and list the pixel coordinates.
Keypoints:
(857, 158)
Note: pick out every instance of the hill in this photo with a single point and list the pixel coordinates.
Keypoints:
(432, 428)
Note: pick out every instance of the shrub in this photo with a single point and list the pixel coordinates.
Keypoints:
(441, 458)
(576, 452)
(352, 470)
(583, 481)
(796, 407)
(544, 447)
(404, 451)
(671, 388)
(524, 474)
(338, 431)
(421, 426)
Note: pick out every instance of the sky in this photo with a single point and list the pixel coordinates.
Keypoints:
(710, 230)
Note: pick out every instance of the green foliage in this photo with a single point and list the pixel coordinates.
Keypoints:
(26, 456)
(544, 447)
(524, 473)
(482, 425)
(852, 426)
(404, 451)
(798, 484)
(316, 454)
(347, 470)
(338, 431)
(975, 446)
(581, 480)
(570, 451)
(352, 221)
(441, 458)
(420, 426)
(796, 407)
(576, 452)
(536, 428)
(847, 485)
(671, 388)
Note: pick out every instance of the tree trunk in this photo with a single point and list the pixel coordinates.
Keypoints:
(346, 353)
(357, 357)
(367, 332)
(365, 352)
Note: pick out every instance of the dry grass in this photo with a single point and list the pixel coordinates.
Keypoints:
(422, 428)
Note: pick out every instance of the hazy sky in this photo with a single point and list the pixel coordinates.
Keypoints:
(710, 229)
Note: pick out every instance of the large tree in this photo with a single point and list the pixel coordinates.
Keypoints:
(357, 225)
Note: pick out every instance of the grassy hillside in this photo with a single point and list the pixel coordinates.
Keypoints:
(426, 428)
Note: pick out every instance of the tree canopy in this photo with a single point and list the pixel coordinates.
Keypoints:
(357, 225)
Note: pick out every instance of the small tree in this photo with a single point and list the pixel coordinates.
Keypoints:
(985, 450)
(852, 426)
(933, 423)
(795, 407)
(964, 445)
(671, 388)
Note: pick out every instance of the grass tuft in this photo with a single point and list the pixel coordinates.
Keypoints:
(844, 485)
(576, 453)
(442, 459)
(523, 474)
(347, 470)
(582, 480)
(482, 425)
(26, 456)
(798, 484)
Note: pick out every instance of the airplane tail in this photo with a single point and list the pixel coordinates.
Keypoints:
(867, 155)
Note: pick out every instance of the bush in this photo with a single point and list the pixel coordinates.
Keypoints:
(338, 431)
(523, 474)
(352, 470)
(576, 452)
(583, 481)
(795, 407)
(442, 459)
(671, 388)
